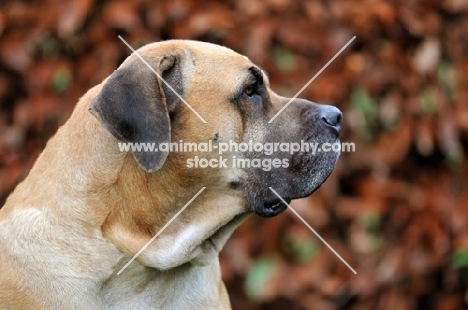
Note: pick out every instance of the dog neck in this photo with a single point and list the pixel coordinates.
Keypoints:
(102, 192)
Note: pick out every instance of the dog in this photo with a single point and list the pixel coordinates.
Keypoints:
(86, 207)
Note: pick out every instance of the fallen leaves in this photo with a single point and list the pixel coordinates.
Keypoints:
(396, 209)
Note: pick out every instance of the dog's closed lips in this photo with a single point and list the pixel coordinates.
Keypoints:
(273, 207)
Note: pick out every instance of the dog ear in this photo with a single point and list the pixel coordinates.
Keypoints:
(134, 104)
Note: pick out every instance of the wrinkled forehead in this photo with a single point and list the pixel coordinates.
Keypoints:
(215, 59)
(207, 66)
(218, 65)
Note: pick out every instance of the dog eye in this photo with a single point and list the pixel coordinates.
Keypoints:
(250, 90)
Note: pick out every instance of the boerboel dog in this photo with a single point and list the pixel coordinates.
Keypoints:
(87, 207)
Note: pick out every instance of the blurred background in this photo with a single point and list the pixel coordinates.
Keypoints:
(396, 209)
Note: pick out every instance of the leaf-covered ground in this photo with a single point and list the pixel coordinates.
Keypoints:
(396, 209)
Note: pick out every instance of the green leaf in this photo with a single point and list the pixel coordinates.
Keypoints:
(49, 46)
(445, 77)
(460, 258)
(455, 161)
(301, 250)
(364, 104)
(61, 80)
(370, 220)
(368, 108)
(259, 274)
(285, 92)
(284, 59)
(377, 241)
(139, 43)
(428, 102)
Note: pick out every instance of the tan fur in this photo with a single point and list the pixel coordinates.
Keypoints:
(85, 209)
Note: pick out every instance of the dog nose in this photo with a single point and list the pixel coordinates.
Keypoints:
(331, 116)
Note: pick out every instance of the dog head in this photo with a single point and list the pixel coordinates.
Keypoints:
(206, 100)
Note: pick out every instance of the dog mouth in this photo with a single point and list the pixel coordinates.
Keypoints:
(273, 207)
